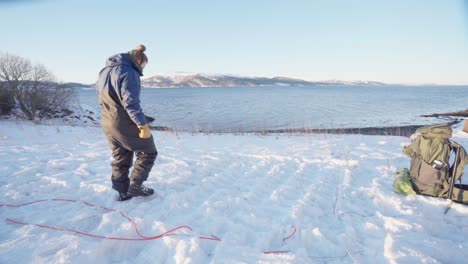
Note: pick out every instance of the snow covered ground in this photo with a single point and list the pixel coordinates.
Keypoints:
(247, 199)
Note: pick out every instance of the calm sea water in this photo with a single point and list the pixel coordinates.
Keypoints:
(240, 109)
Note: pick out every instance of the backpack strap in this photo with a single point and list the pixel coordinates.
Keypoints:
(461, 159)
(460, 193)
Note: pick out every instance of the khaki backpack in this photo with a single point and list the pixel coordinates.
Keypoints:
(437, 163)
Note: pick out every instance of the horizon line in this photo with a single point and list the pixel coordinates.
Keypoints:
(182, 73)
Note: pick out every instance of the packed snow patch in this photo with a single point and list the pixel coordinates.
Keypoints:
(269, 199)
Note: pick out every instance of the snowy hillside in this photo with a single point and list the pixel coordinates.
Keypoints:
(221, 199)
(220, 80)
(186, 79)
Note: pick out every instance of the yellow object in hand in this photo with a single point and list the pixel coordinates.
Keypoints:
(145, 131)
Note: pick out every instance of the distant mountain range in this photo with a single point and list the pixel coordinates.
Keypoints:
(76, 85)
(175, 80)
(219, 80)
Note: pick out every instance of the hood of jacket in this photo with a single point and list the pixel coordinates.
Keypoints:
(124, 59)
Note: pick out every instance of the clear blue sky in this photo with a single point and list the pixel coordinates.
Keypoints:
(398, 41)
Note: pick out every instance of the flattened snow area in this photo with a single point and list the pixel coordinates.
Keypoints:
(269, 199)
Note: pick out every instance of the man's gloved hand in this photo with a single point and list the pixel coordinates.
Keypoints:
(145, 131)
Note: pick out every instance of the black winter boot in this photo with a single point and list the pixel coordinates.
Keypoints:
(139, 190)
(124, 197)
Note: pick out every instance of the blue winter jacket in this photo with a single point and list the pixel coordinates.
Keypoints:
(120, 80)
(118, 88)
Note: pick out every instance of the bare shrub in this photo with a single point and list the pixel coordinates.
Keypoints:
(33, 87)
(7, 101)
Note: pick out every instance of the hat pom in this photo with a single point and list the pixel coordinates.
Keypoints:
(141, 48)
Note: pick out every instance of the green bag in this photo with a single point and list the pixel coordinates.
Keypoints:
(430, 170)
(402, 182)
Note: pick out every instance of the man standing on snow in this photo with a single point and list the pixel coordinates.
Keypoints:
(124, 123)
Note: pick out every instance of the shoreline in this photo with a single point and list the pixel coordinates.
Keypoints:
(404, 131)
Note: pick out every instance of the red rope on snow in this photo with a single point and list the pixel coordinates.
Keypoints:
(135, 227)
(19, 205)
(291, 235)
(167, 233)
(276, 252)
(213, 237)
(284, 239)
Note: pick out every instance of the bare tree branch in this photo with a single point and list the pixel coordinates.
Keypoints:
(33, 87)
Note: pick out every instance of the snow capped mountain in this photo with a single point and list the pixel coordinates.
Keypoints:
(190, 79)
(184, 79)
